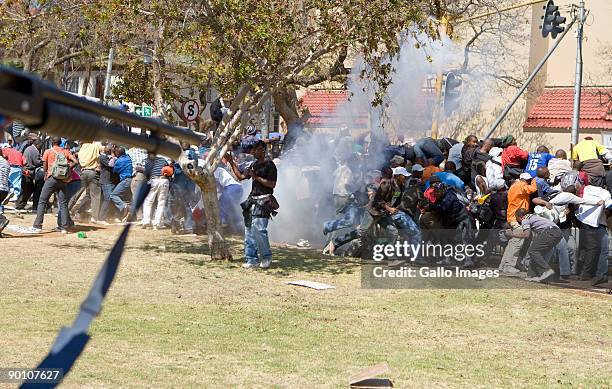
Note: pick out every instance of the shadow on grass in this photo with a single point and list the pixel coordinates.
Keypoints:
(286, 260)
(90, 246)
(85, 228)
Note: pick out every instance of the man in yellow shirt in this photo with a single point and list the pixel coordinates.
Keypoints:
(89, 156)
(587, 155)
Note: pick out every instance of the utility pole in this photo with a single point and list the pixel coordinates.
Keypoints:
(578, 80)
(551, 24)
(446, 28)
(529, 79)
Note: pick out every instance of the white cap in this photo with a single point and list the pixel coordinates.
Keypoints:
(417, 168)
(525, 176)
(401, 171)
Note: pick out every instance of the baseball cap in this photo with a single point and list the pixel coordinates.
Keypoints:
(417, 168)
(397, 171)
(525, 176)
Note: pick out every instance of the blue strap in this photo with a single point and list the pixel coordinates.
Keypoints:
(71, 341)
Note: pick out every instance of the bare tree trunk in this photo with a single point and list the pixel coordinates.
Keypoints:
(158, 100)
(285, 102)
(205, 180)
(26, 60)
(87, 79)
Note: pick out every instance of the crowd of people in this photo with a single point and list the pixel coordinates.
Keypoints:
(542, 213)
(539, 211)
(96, 182)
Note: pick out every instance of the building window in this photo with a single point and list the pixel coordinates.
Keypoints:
(607, 140)
(276, 124)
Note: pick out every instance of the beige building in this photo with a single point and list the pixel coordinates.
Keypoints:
(549, 104)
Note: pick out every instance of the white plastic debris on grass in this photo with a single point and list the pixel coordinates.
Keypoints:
(21, 229)
(311, 284)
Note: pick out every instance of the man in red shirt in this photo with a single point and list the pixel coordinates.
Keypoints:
(54, 185)
(513, 158)
(15, 159)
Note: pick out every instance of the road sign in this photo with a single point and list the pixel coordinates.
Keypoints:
(143, 110)
(190, 110)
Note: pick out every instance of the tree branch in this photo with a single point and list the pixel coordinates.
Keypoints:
(336, 69)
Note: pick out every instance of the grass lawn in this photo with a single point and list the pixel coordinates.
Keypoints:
(174, 320)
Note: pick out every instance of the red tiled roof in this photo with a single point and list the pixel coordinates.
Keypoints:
(554, 109)
(322, 105)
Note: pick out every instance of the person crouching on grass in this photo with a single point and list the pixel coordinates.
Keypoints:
(546, 235)
(258, 207)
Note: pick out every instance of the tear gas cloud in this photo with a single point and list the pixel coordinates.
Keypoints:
(305, 181)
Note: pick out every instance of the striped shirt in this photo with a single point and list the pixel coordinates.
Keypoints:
(17, 128)
(139, 156)
(5, 169)
(154, 166)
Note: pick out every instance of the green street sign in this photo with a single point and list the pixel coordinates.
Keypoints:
(144, 110)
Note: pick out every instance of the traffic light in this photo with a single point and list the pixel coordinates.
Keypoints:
(552, 20)
(451, 92)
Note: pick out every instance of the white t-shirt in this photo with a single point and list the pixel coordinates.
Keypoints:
(223, 179)
(588, 213)
(495, 175)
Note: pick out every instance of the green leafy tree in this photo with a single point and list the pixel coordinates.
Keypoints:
(254, 50)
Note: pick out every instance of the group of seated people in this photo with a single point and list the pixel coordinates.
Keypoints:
(547, 214)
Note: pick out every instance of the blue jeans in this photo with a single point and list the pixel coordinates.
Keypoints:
(256, 242)
(348, 218)
(107, 189)
(408, 229)
(15, 180)
(229, 204)
(602, 263)
(122, 189)
(564, 257)
(179, 200)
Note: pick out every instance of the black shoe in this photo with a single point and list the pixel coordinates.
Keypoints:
(599, 280)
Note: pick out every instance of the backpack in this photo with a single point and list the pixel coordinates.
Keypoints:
(569, 179)
(60, 169)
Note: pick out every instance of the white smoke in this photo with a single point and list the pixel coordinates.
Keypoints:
(305, 182)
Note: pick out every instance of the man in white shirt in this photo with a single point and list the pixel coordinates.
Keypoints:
(343, 176)
(558, 166)
(593, 228)
(229, 193)
(495, 175)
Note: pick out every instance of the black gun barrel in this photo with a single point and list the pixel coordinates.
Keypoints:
(85, 126)
(41, 105)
